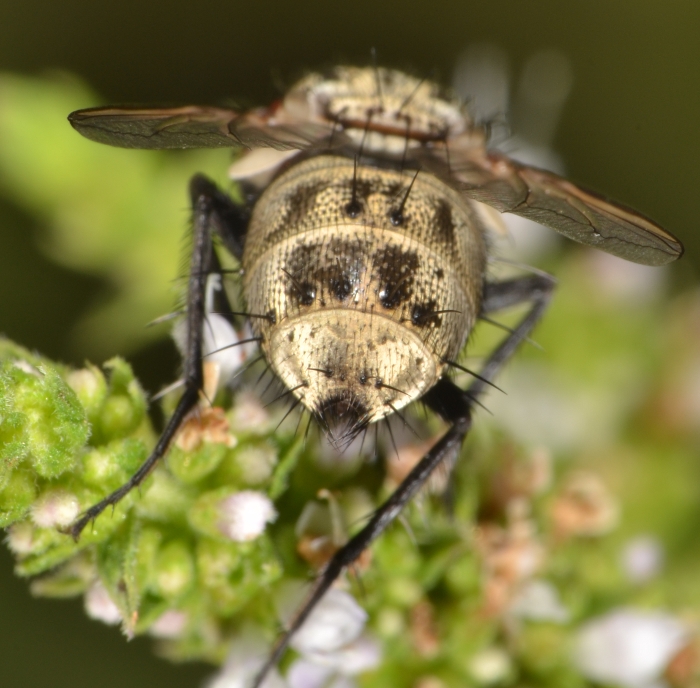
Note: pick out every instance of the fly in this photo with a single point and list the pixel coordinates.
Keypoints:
(364, 245)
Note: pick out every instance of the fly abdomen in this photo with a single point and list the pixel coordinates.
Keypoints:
(374, 278)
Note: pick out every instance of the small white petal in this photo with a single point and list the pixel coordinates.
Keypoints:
(99, 605)
(244, 515)
(221, 345)
(335, 621)
(628, 647)
(360, 655)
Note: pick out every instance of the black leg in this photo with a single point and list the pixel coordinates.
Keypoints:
(455, 406)
(226, 218)
(212, 211)
(535, 289)
(500, 295)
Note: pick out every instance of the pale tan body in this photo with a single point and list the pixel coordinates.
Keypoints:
(363, 310)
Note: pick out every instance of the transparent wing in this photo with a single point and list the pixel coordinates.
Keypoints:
(544, 197)
(195, 126)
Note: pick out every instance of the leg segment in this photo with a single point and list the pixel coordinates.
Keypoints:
(226, 218)
(455, 406)
(536, 289)
(212, 211)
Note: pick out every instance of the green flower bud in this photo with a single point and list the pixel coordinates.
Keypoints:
(255, 463)
(90, 386)
(235, 573)
(117, 416)
(492, 665)
(404, 592)
(73, 578)
(124, 407)
(17, 496)
(44, 420)
(391, 622)
(191, 467)
(109, 466)
(174, 570)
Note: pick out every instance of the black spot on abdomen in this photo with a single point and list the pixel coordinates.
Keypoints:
(396, 271)
(442, 221)
(331, 269)
(301, 202)
(424, 315)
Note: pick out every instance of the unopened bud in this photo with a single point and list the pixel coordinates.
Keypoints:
(90, 386)
(171, 624)
(20, 537)
(55, 508)
(174, 569)
(99, 605)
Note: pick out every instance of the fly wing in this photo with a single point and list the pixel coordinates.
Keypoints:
(195, 126)
(581, 215)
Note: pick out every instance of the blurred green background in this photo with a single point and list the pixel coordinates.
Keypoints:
(629, 129)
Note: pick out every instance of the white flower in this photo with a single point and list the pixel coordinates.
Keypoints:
(336, 621)
(244, 515)
(99, 605)
(628, 647)
(55, 508)
(334, 669)
(329, 642)
(246, 658)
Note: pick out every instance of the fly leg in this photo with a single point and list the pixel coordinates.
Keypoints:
(212, 211)
(455, 406)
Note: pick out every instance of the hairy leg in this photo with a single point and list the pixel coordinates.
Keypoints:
(212, 211)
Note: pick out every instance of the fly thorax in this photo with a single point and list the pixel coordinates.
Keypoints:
(369, 280)
(382, 111)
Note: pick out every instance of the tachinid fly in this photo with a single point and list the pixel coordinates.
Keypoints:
(371, 198)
